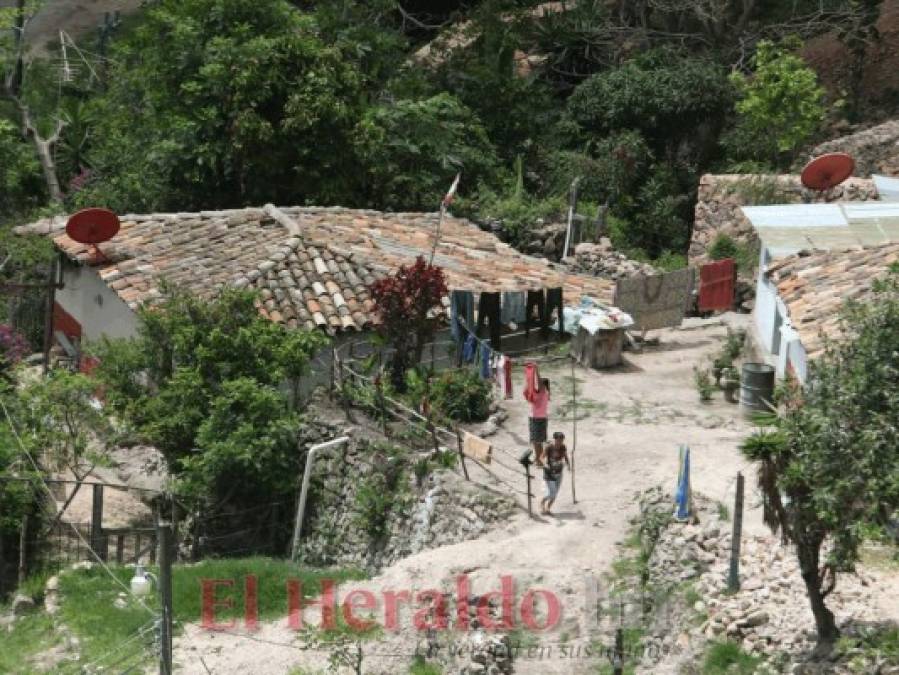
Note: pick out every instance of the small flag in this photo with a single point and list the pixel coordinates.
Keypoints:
(448, 199)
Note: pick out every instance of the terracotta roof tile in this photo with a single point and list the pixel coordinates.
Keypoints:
(814, 286)
(311, 266)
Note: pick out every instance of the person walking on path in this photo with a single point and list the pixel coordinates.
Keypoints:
(556, 461)
(537, 422)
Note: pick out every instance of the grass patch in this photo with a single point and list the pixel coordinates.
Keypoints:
(88, 598)
(421, 667)
(723, 512)
(727, 658)
(31, 635)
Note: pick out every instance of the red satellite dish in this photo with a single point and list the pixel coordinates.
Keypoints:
(827, 171)
(92, 226)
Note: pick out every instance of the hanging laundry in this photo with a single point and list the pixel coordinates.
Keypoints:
(535, 300)
(461, 307)
(531, 381)
(553, 302)
(507, 373)
(489, 312)
(485, 361)
(513, 309)
(496, 369)
(469, 349)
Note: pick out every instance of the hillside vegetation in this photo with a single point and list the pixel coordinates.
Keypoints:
(194, 104)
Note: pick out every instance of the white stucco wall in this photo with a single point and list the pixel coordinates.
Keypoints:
(94, 305)
(765, 305)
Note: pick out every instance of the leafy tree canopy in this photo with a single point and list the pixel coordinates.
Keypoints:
(203, 381)
(780, 106)
(216, 103)
(414, 148)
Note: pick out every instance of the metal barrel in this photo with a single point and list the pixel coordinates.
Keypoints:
(757, 388)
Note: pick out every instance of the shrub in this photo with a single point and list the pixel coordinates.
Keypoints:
(728, 657)
(462, 395)
(722, 247)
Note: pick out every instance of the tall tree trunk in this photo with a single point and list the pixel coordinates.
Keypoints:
(808, 549)
(44, 148)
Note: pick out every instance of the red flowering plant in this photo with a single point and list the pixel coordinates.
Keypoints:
(13, 348)
(409, 305)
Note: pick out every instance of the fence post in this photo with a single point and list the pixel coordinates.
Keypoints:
(618, 659)
(97, 523)
(733, 579)
(382, 403)
(120, 549)
(333, 374)
(23, 550)
(164, 536)
(461, 453)
(527, 473)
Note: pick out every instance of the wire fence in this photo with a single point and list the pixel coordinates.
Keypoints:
(503, 467)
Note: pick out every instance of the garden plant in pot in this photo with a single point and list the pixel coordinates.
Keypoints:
(730, 384)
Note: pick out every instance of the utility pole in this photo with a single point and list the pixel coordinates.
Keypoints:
(164, 531)
(304, 491)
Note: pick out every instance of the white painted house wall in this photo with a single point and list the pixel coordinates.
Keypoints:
(778, 340)
(94, 305)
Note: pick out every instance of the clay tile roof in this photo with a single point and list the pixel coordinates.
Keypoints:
(311, 266)
(814, 287)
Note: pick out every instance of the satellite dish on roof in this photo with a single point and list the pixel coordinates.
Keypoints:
(92, 227)
(827, 171)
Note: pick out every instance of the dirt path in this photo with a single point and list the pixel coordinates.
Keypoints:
(634, 419)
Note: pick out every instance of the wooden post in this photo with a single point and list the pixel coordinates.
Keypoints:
(333, 374)
(120, 549)
(573, 428)
(48, 318)
(23, 550)
(97, 522)
(382, 404)
(618, 659)
(164, 534)
(137, 548)
(733, 578)
(527, 471)
(461, 453)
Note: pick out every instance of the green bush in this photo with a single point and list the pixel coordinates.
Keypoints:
(728, 657)
(462, 395)
(722, 247)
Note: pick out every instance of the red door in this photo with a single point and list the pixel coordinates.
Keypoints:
(717, 283)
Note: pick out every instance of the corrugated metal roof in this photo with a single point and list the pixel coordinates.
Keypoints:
(789, 228)
(887, 188)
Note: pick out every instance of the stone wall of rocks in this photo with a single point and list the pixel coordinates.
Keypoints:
(444, 509)
(602, 260)
(875, 150)
(721, 196)
(769, 616)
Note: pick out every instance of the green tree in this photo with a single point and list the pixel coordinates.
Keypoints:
(780, 106)
(21, 186)
(671, 98)
(216, 103)
(204, 382)
(412, 150)
(828, 467)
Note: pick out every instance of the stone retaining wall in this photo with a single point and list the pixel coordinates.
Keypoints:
(721, 196)
(875, 150)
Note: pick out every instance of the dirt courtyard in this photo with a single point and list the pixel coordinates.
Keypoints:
(631, 422)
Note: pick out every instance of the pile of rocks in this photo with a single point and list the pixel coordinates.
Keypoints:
(769, 616)
(875, 150)
(602, 260)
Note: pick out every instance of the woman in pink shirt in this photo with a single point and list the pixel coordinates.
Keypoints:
(537, 422)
